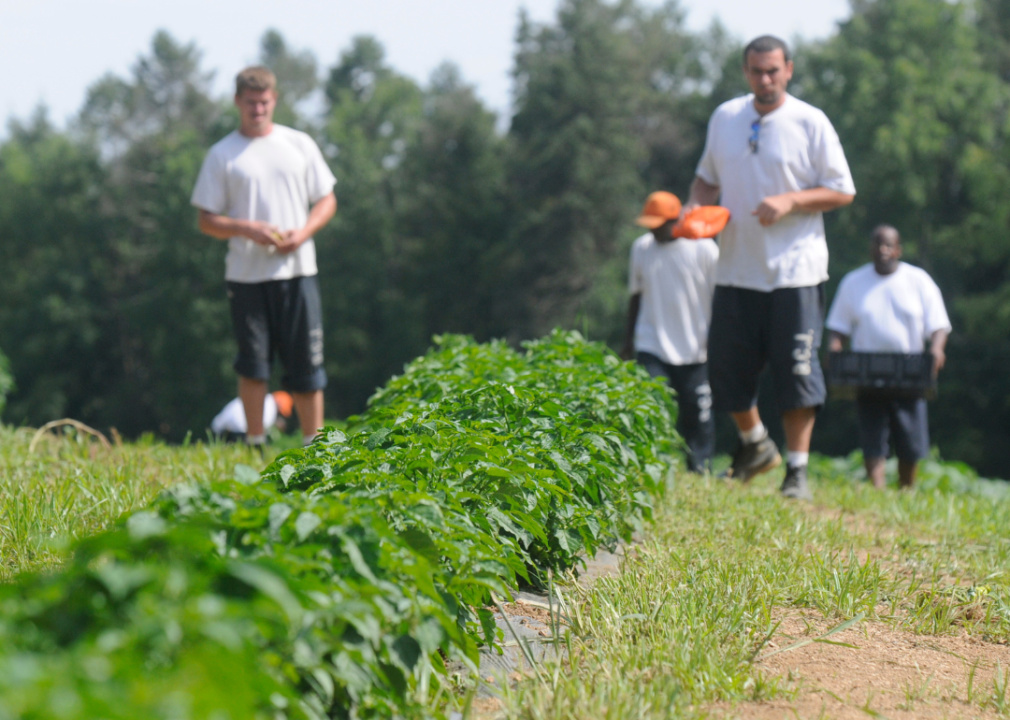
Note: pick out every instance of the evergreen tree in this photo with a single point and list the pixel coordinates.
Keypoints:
(133, 324)
(452, 213)
(372, 327)
(574, 156)
(296, 75)
(609, 105)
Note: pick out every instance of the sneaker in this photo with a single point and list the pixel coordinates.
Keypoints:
(753, 459)
(795, 485)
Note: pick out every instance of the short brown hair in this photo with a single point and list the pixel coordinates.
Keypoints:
(256, 78)
(764, 44)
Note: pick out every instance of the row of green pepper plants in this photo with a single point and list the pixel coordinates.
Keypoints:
(344, 580)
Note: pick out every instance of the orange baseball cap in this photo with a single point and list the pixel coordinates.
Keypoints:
(284, 402)
(660, 207)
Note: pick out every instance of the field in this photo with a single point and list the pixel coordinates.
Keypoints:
(71, 487)
(728, 579)
(731, 603)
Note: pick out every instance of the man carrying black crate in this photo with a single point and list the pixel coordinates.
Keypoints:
(776, 163)
(888, 306)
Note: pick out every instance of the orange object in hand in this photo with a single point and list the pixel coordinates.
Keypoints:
(702, 222)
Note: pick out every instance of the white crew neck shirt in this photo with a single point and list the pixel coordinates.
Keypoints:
(676, 280)
(888, 313)
(274, 178)
(797, 149)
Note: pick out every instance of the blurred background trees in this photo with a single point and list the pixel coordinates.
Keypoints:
(112, 308)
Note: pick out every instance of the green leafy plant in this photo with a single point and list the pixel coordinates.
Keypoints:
(343, 581)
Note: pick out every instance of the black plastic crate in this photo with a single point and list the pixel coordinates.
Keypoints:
(849, 374)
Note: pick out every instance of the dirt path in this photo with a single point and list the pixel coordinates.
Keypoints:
(889, 673)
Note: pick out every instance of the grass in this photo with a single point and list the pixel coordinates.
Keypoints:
(71, 487)
(697, 600)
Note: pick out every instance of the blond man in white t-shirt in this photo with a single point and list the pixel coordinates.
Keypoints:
(776, 163)
(888, 306)
(670, 282)
(267, 190)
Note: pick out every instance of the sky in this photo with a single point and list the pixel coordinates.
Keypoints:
(52, 50)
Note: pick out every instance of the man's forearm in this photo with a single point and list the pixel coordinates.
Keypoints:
(938, 341)
(819, 199)
(322, 212)
(702, 193)
(221, 227)
(775, 207)
(937, 348)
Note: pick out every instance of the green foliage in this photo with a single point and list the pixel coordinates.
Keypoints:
(373, 113)
(452, 208)
(605, 112)
(114, 312)
(296, 74)
(553, 454)
(341, 583)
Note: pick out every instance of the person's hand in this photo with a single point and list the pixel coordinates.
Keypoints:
(263, 233)
(290, 241)
(939, 360)
(773, 208)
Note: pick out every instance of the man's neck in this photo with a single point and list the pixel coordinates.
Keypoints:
(763, 109)
(884, 271)
(257, 131)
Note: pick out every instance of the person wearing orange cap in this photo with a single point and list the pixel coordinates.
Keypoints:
(232, 419)
(671, 283)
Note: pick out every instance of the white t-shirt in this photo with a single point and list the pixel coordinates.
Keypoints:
(232, 416)
(888, 313)
(676, 280)
(798, 149)
(273, 179)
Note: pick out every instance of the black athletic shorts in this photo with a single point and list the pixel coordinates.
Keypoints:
(283, 317)
(903, 420)
(694, 412)
(751, 329)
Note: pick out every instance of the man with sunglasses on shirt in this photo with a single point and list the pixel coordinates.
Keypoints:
(777, 164)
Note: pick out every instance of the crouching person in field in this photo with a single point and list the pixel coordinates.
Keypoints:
(888, 306)
(671, 286)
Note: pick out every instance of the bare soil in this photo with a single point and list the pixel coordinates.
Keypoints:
(521, 609)
(890, 673)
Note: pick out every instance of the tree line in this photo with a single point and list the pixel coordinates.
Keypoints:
(113, 307)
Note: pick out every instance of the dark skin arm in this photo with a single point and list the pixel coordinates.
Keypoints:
(628, 349)
(836, 343)
(937, 348)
